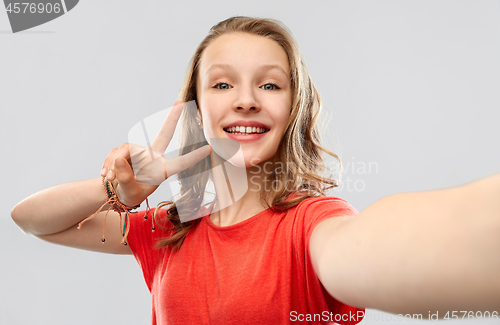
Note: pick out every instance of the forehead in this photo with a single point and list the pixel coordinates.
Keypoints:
(243, 51)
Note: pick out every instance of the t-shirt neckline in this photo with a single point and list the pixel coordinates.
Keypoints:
(236, 225)
(209, 222)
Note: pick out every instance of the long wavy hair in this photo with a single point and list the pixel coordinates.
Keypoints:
(300, 151)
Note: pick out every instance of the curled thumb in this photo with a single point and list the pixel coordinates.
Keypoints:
(120, 163)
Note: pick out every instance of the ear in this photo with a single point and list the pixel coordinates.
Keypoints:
(199, 120)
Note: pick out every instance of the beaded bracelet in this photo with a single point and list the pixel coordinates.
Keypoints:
(117, 206)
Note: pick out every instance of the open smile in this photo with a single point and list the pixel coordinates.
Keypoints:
(245, 130)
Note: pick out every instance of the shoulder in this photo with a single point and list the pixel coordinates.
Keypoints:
(309, 213)
(327, 206)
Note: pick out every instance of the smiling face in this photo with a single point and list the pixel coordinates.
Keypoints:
(244, 93)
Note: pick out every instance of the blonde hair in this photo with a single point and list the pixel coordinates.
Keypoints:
(300, 150)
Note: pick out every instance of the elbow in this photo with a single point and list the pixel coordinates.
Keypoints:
(15, 214)
(19, 219)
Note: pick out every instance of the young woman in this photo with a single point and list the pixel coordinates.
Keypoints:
(282, 251)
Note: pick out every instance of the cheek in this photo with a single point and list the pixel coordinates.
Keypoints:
(282, 113)
(210, 122)
(212, 112)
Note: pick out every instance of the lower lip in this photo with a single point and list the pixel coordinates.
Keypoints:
(246, 138)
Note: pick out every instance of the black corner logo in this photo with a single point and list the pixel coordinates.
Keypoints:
(26, 15)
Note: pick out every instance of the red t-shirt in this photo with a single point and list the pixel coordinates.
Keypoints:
(257, 271)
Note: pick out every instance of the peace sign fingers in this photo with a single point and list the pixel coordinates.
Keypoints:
(158, 170)
(164, 136)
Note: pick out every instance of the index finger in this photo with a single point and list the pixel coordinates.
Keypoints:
(164, 136)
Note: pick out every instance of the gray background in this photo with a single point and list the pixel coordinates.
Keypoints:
(410, 86)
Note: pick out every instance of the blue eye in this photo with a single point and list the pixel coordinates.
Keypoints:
(270, 86)
(222, 86)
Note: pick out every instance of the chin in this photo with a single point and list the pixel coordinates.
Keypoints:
(255, 160)
(239, 161)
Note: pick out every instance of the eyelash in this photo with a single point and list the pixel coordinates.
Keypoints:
(225, 83)
(273, 84)
(220, 83)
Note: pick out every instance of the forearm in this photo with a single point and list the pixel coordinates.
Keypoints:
(57, 208)
(419, 252)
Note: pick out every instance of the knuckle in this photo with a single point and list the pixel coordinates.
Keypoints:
(126, 177)
(112, 152)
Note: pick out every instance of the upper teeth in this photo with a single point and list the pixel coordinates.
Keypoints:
(245, 129)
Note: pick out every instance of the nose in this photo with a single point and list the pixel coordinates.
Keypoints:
(246, 100)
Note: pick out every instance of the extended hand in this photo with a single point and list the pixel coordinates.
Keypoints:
(149, 164)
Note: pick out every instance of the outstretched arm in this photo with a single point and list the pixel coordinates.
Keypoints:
(416, 252)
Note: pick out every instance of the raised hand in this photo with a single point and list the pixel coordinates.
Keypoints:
(137, 171)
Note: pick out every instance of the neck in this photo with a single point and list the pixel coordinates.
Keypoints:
(238, 191)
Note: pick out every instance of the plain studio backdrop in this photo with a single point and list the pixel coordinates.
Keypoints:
(410, 91)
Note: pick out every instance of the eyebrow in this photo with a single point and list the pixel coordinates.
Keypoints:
(265, 67)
